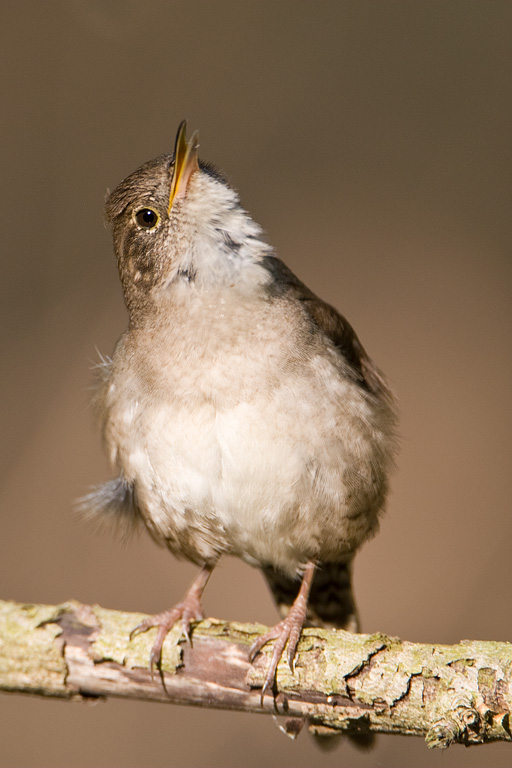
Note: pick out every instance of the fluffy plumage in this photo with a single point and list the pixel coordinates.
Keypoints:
(241, 412)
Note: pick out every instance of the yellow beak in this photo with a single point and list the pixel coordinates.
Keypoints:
(185, 163)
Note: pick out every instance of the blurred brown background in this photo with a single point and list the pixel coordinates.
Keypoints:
(372, 140)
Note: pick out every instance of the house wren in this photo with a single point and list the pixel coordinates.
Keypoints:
(241, 413)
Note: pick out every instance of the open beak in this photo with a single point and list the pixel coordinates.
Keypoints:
(185, 163)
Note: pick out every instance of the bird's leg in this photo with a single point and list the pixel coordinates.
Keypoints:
(286, 631)
(188, 610)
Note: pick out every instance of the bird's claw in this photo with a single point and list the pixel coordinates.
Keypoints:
(286, 631)
(143, 627)
(188, 610)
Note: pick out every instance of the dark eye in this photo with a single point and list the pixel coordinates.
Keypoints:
(147, 218)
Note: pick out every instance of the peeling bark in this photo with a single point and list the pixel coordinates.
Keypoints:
(341, 683)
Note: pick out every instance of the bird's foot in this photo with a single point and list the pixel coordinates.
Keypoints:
(286, 631)
(188, 611)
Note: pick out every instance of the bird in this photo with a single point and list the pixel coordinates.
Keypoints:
(240, 413)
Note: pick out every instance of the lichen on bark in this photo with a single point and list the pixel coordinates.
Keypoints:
(341, 681)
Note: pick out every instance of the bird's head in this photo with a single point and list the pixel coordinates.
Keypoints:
(175, 222)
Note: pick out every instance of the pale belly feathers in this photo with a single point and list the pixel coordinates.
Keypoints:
(236, 445)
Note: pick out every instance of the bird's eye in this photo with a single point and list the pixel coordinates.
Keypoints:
(147, 218)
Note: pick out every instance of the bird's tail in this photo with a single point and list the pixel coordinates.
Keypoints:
(331, 601)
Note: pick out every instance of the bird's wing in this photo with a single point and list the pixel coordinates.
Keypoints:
(329, 321)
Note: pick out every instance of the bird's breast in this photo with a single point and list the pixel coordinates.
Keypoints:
(237, 443)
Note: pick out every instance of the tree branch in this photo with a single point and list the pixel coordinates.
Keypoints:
(342, 682)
